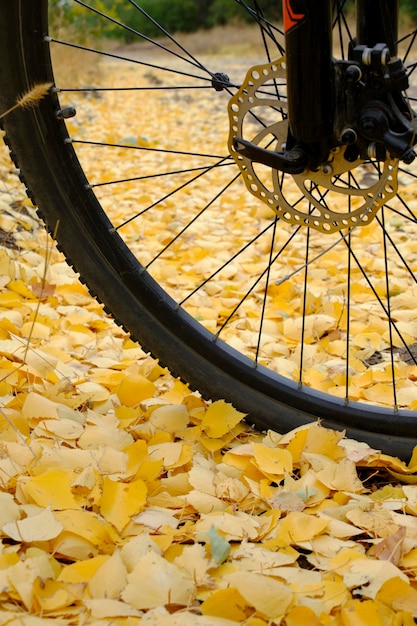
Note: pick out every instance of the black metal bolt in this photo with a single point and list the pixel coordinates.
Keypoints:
(368, 125)
(409, 156)
(349, 136)
(353, 73)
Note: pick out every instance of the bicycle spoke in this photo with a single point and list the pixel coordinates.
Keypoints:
(394, 246)
(147, 88)
(226, 263)
(194, 219)
(304, 306)
(348, 311)
(388, 305)
(192, 58)
(385, 308)
(268, 29)
(264, 299)
(158, 175)
(171, 193)
(411, 37)
(340, 22)
(157, 44)
(120, 57)
(147, 149)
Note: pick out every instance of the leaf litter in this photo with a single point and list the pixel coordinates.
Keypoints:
(127, 499)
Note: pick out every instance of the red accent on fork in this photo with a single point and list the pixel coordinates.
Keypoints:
(290, 18)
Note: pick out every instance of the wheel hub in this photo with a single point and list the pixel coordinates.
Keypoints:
(303, 197)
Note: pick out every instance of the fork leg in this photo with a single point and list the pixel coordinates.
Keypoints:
(308, 40)
(377, 22)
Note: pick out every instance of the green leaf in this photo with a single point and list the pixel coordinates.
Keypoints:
(219, 547)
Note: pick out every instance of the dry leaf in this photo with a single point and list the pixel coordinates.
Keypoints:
(121, 501)
(268, 596)
(220, 418)
(39, 527)
(156, 582)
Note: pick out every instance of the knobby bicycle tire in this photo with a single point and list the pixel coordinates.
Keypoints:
(58, 186)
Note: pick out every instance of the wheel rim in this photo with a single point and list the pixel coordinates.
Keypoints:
(283, 326)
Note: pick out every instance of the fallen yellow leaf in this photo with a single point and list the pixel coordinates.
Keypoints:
(220, 418)
(121, 501)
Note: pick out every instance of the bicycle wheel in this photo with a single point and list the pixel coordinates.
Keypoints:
(248, 296)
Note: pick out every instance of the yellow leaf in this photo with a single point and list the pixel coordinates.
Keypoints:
(10, 300)
(368, 576)
(170, 418)
(63, 429)
(40, 527)
(102, 608)
(378, 522)
(94, 391)
(52, 488)
(51, 595)
(232, 527)
(253, 558)
(302, 616)
(37, 407)
(137, 452)
(297, 444)
(272, 461)
(341, 562)
(89, 526)
(267, 595)
(107, 436)
(20, 287)
(320, 440)
(9, 510)
(35, 330)
(399, 595)
(172, 454)
(135, 388)
(22, 576)
(220, 418)
(356, 613)
(110, 579)
(341, 476)
(107, 377)
(156, 582)
(298, 526)
(82, 571)
(120, 501)
(227, 603)
(8, 559)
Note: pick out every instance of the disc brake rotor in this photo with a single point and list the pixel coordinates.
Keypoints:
(339, 195)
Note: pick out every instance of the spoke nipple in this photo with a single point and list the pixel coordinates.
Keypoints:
(220, 81)
(47, 38)
(67, 140)
(65, 114)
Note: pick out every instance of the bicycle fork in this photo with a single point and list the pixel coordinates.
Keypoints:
(355, 102)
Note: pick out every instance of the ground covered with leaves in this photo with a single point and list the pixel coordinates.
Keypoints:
(127, 499)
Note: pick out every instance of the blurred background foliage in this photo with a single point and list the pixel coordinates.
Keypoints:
(174, 15)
